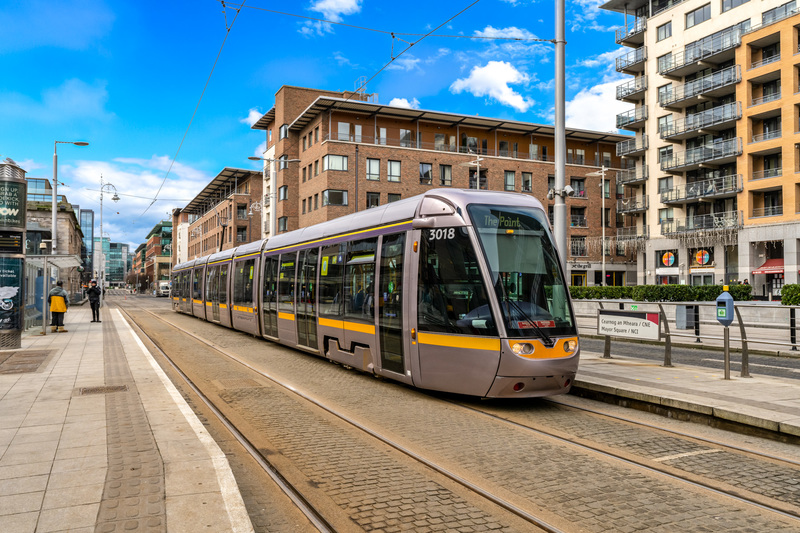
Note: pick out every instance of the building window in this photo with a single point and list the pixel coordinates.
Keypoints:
(664, 123)
(344, 131)
(425, 170)
(445, 175)
(284, 131)
(316, 135)
(607, 159)
(393, 197)
(283, 193)
(727, 5)
(381, 136)
(283, 162)
(580, 156)
(664, 184)
(664, 92)
(334, 197)
(701, 14)
(373, 199)
(439, 142)
(316, 167)
(780, 12)
(579, 186)
(241, 212)
(316, 203)
(665, 215)
(241, 234)
(551, 182)
(304, 143)
(527, 180)
(405, 138)
(509, 180)
(577, 247)
(334, 162)
(304, 206)
(665, 62)
(607, 216)
(664, 31)
(664, 154)
(357, 136)
(393, 170)
(373, 169)
(304, 174)
(282, 224)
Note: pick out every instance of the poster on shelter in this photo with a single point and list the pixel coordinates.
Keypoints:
(11, 295)
(12, 204)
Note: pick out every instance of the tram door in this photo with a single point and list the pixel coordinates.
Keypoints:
(212, 291)
(269, 288)
(306, 298)
(390, 303)
(287, 269)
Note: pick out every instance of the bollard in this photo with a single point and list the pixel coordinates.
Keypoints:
(792, 329)
(727, 342)
(697, 323)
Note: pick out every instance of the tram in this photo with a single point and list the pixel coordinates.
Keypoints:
(459, 291)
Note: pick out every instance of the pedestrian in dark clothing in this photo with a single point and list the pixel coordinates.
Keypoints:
(94, 294)
(59, 303)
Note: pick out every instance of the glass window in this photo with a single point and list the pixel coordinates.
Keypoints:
(381, 136)
(579, 185)
(391, 302)
(778, 13)
(316, 197)
(393, 170)
(664, 184)
(373, 199)
(286, 275)
(283, 162)
(393, 197)
(373, 169)
(334, 197)
(665, 62)
(316, 135)
(333, 162)
(243, 283)
(577, 247)
(664, 31)
(359, 290)
(665, 215)
(665, 124)
(701, 14)
(509, 180)
(304, 206)
(664, 92)
(580, 156)
(451, 295)
(727, 5)
(283, 193)
(357, 136)
(664, 154)
(331, 280)
(284, 131)
(445, 175)
(304, 174)
(197, 285)
(425, 170)
(405, 138)
(607, 159)
(527, 180)
(440, 142)
(344, 131)
(283, 224)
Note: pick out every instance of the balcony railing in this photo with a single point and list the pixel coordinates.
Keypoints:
(771, 211)
(632, 175)
(631, 30)
(766, 136)
(629, 117)
(702, 49)
(717, 80)
(768, 173)
(632, 204)
(765, 61)
(704, 119)
(766, 99)
(632, 232)
(719, 186)
(631, 58)
(703, 154)
(632, 146)
(636, 85)
(578, 221)
(716, 221)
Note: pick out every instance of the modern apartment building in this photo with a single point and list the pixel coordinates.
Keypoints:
(714, 163)
(329, 154)
(113, 257)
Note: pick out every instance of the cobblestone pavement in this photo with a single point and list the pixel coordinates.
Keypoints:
(591, 493)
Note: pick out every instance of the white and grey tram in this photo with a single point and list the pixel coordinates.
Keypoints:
(459, 291)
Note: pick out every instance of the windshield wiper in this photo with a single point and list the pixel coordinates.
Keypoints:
(536, 329)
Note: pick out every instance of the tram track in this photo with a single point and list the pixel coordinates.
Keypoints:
(652, 468)
(296, 496)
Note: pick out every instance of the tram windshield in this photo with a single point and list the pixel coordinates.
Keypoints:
(524, 270)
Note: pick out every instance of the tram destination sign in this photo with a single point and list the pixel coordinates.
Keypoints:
(630, 324)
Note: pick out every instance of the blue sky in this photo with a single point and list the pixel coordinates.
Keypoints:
(127, 76)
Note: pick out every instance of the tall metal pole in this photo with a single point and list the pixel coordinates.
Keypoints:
(54, 237)
(102, 272)
(603, 220)
(560, 206)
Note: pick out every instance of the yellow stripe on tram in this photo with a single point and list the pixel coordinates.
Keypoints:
(286, 316)
(349, 326)
(223, 306)
(453, 341)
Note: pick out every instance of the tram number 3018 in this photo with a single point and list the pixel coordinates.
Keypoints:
(443, 233)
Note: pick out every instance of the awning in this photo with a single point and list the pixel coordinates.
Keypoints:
(60, 260)
(770, 266)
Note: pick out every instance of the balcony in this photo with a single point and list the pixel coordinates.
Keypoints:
(716, 118)
(716, 48)
(719, 187)
(633, 147)
(632, 34)
(717, 153)
(633, 119)
(632, 91)
(766, 136)
(632, 205)
(633, 62)
(771, 211)
(765, 61)
(578, 221)
(630, 233)
(632, 175)
(766, 174)
(766, 99)
(712, 85)
(729, 220)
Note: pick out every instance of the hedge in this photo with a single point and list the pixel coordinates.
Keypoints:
(664, 293)
(790, 294)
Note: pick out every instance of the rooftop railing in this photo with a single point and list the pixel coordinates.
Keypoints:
(709, 82)
(638, 26)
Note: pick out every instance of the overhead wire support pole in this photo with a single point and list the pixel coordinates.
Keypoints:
(560, 205)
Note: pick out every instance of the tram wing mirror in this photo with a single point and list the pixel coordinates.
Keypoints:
(422, 223)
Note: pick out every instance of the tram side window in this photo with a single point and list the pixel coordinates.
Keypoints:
(211, 278)
(286, 274)
(359, 288)
(330, 280)
(268, 281)
(223, 284)
(452, 297)
(197, 284)
(243, 283)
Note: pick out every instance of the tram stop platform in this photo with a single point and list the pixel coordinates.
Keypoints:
(95, 437)
(752, 404)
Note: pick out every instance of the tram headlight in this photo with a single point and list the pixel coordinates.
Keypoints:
(570, 346)
(522, 348)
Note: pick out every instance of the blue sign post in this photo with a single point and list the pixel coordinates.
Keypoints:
(725, 317)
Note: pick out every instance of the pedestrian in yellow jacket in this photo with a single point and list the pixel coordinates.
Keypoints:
(59, 303)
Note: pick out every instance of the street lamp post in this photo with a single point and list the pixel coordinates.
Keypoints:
(55, 188)
(602, 174)
(273, 191)
(103, 186)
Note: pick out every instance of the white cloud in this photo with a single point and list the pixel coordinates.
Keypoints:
(339, 57)
(405, 62)
(252, 117)
(403, 102)
(493, 81)
(511, 32)
(334, 9)
(606, 59)
(74, 99)
(595, 108)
